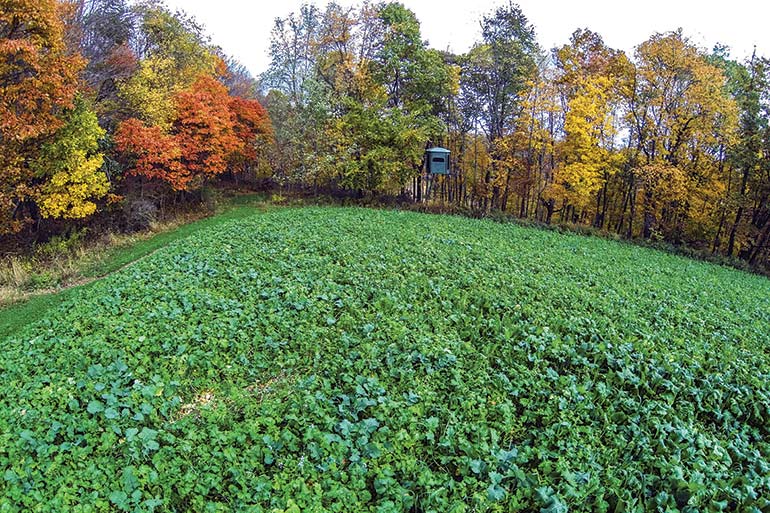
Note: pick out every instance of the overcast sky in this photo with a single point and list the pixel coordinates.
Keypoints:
(242, 27)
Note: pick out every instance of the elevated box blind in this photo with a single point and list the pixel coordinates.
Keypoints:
(437, 161)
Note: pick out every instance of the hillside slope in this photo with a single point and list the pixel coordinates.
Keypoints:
(333, 359)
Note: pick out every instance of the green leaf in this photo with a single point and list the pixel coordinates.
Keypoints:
(120, 499)
(95, 407)
(495, 492)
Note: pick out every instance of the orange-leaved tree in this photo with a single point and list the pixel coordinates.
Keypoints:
(38, 83)
(253, 129)
(153, 153)
(205, 128)
(210, 131)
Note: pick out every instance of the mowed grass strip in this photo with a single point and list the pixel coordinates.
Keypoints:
(338, 359)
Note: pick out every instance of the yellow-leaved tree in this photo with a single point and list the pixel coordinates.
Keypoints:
(587, 147)
(678, 112)
(68, 168)
(174, 56)
(589, 79)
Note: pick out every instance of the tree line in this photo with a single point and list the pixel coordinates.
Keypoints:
(116, 108)
(670, 143)
(112, 107)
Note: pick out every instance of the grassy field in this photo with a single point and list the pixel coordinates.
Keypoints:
(342, 359)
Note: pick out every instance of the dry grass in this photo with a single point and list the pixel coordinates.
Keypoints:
(261, 390)
(10, 295)
(14, 279)
(201, 400)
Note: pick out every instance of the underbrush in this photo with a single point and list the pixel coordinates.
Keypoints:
(64, 261)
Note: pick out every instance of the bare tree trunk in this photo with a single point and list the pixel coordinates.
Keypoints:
(649, 215)
(734, 231)
(599, 217)
(632, 214)
(419, 188)
(506, 190)
(739, 212)
(761, 243)
(549, 206)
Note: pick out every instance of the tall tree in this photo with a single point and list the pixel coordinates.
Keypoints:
(295, 97)
(416, 78)
(677, 102)
(358, 95)
(751, 85)
(293, 53)
(97, 29)
(589, 78)
(496, 75)
(587, 147)
(499, 69)
(238, 79)
(102, 31)
(38, 84)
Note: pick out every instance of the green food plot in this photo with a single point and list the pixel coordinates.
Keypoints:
(334, 359)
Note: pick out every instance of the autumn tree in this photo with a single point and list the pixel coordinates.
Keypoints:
(254, 131)
(354, 150)
(676, 107)
(588, 130)
(68, 167)
(183, 125)
(497, 74)
(536, 139)
(210, 131)
(38, 84)
(205, 128)
(589, 79)
(149, 152)
(173, 53)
